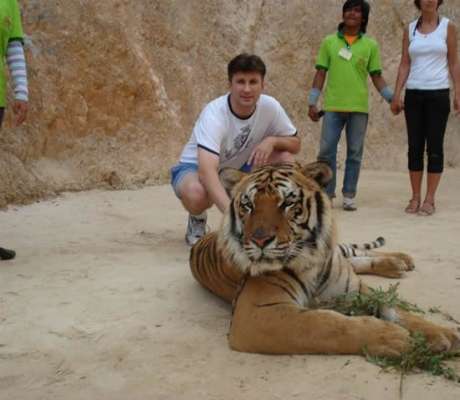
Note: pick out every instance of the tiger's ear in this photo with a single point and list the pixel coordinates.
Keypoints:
(230, 177)
(319, 171)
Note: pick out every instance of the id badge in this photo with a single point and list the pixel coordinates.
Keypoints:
(345, 54)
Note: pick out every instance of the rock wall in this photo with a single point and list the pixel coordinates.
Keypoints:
(115, 86)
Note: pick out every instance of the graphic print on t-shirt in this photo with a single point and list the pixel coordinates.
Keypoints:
(239, 142)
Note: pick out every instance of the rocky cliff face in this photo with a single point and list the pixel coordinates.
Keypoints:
(115, 86)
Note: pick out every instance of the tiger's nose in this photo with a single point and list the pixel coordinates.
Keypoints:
(261, 238)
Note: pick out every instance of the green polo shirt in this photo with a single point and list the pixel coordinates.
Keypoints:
(10, 28)
(346, 87)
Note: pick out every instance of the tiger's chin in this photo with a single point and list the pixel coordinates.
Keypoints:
(264, 265)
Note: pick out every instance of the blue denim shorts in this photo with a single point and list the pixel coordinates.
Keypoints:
(178, 173)
(181, 169)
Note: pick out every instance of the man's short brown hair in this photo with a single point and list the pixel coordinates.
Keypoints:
(246, 63)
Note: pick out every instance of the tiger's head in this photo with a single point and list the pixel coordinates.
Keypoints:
(278, 217)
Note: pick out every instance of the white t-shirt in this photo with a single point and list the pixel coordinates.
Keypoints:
(428, 55)
(219, 131)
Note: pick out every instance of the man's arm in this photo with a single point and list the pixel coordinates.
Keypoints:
(208, 166)
(382, 87)
(17, 67)
(378, 81)
(316, 88)
(264, 149)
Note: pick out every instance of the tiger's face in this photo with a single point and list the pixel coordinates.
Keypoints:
(278, 216)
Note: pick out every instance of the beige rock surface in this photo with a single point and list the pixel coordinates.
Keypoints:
(100, 302)
(116, 86)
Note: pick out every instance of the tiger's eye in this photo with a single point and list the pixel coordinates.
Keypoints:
(288, 201)
(245, 203)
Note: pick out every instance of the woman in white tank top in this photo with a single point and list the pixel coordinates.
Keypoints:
(429, 53)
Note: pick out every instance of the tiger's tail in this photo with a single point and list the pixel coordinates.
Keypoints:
(358, 250)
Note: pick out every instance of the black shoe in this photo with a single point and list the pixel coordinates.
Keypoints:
(6, 254)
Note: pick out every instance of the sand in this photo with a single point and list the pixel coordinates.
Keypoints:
(100, 302)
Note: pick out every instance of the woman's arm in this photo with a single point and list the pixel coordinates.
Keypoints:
(454, 66)
(403, 73)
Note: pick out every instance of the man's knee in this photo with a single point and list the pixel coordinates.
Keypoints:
(278, 157)
(194, 196)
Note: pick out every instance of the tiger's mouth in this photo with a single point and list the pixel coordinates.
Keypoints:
(269, 254)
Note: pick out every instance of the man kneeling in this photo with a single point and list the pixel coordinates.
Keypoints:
(241, 129)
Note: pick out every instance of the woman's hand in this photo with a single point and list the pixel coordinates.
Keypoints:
(396, 105)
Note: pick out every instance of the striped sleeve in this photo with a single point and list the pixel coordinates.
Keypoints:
(17, 67)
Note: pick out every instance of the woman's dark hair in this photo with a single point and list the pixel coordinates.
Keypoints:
(417, 3)
(365, 9)
(246, 63)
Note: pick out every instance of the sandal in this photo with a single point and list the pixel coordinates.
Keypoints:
(413, 206)
(427, 209)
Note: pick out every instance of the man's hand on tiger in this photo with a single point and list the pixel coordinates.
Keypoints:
(261, 154)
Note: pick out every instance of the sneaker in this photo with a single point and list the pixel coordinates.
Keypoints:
(196, 228)
(6, 254)
(349, 204)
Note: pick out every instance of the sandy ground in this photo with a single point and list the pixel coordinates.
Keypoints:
(100, 303)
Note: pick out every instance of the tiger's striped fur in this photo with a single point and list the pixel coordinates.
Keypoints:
(276, 255)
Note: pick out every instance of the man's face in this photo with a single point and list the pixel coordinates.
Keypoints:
(353, 17)
(246, 88)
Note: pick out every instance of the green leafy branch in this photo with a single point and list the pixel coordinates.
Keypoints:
(419, 357)
(370, 303)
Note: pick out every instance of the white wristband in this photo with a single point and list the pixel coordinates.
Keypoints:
(313, 96)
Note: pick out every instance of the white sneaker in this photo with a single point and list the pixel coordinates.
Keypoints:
(349, 204)
(196, 228)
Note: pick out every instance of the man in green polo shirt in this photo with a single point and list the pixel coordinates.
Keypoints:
(347, 58)
(12, 54)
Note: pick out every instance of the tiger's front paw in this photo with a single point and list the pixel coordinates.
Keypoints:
(391, 341)
(442, 339)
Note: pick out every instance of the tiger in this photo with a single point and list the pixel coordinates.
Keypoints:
(275, 257)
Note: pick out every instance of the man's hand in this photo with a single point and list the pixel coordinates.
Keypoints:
(20, 111)
(396, 105)
(313, 113)
(262, 152)
(457, 105)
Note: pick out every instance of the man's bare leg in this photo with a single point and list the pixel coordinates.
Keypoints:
(195, 200)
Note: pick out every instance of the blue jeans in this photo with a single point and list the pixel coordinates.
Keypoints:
(355, 128)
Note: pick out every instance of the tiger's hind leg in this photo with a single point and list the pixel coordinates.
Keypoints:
(389, 265)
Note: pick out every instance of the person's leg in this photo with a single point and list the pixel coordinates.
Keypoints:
(438, 109)
(414, 111)
(194, 198)
(193, 195)
(5, 254)
(333, 124)
(356, 131)
(415, 178)
(279, 157)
